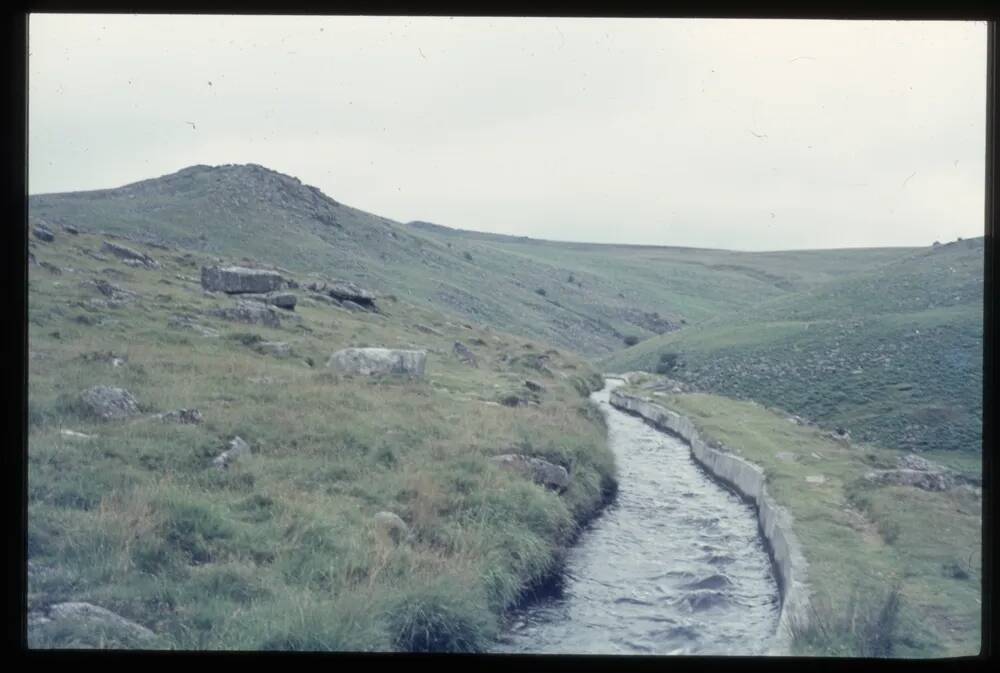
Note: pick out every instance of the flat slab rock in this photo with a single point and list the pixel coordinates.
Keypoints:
(102, 620)
(128, 255)
(540, 471)
(372, 361)
(238, 279)
(250, 312)
(110, 403)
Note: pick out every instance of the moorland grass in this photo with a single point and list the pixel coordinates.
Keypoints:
(280, 551)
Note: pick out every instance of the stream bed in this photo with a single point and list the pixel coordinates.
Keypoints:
(675, 565)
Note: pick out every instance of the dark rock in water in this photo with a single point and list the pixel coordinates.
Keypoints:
(130, 256)
(238, 279)
(704, 599)
(369, 361)
(31, 258)
(70, 229)
(185, 416)
(351, 306)
(463, 353)
(43, 234)
(250, 312)
(51, 268)
(88, 618)
(110, 403)
(715, 581)
(540, 471)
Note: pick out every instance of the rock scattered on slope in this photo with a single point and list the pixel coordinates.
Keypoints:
(130, 256)
(238, 448)
(540, 471)
(278, 349)
(250, 312)
(465, 354)
(533, 386)
(185, 416)
(105, 625)
(390, 527)
(187, 322)
(928, 481)
(285, 300)
(369, 361)
(43, 234)
(110, 403)
(238, 279)
(345, 291)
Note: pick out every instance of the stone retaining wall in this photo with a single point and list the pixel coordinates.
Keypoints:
(749, 481)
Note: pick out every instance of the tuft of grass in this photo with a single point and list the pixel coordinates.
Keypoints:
(869, 626)
(445, 615)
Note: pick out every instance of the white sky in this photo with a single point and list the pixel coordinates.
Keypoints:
(744, 134)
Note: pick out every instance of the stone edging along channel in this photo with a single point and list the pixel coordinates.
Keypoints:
(748, 480)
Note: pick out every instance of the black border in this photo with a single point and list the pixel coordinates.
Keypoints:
(14, 457)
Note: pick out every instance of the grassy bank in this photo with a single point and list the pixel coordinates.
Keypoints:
(280, 551)
(861, 540)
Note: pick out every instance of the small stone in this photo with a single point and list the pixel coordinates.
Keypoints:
(43, 234)
(185, 416)
(237, 449)
(390, 527)
(540, 471)
(465, 354)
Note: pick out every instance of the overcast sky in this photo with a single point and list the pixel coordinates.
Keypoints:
(751, 135)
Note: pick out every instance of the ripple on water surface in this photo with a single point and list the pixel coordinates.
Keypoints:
(676, 566)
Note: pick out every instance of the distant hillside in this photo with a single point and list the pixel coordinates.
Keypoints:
(893, 354)
(584, 297)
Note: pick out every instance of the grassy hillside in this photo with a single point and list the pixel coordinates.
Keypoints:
(583, 297)
(894, 354)
(281, 551)
(861, 539)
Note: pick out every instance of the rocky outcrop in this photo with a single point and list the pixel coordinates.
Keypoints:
(540, 471)
(108, 403)
(370, 361)
(776, 524)
(465, 354)
(130, 256)
(918, 472)
(101, 622)
(250, 312)
(238, 280)
(238, 449)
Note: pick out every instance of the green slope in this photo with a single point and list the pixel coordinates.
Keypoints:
(280, 551)
(894, 354)
(523, 286)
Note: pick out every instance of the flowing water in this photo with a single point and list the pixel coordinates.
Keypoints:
(674, 566)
